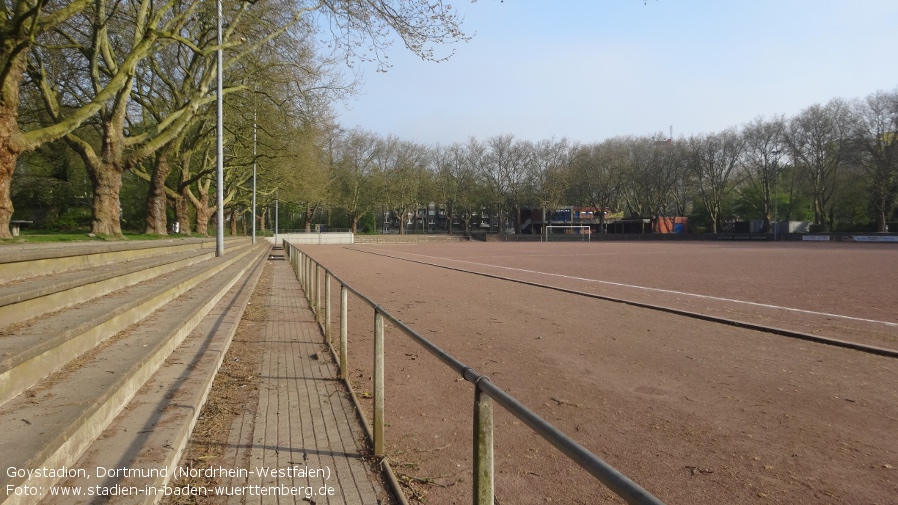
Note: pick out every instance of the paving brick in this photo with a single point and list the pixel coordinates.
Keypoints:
(304, 419)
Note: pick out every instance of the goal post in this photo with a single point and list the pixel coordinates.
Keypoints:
(567, 233)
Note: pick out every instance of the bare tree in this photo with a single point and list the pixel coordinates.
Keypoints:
(650, 176)
(405, 180)
(456, 185)
(502, 168)
(549, 172)
(713, 161)
(596, 175)
(761, 164)
(358, 181)
(816, 139)
(875, 148)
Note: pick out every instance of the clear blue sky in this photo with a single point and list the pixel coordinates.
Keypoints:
(593, 69)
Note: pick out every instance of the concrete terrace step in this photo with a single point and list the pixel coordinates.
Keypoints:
(36, 348)
(152, 431)
(21, 261)
(53, 423)
(24, 299)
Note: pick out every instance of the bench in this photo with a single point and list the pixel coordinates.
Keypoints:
(16, 224)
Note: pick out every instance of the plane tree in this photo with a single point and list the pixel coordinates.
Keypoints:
(88, 66)
(24, 24)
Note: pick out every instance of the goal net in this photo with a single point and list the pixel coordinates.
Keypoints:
(557, 233)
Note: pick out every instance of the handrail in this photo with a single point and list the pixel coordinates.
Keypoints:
(306, 268)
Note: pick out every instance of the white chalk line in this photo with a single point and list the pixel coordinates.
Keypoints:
(659, 290)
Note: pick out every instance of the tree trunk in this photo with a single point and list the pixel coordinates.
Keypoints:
(9, 132)
(203, 210)
(106, 205)
(7, 167)
(203, 215)
(819, 212)
(233, 221)
(309, 216)
(157, 220)
(182, 213)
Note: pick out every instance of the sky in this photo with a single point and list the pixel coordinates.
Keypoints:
(589, 70)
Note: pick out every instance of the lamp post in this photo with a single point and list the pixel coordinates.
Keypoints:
(776, 154)
(219, 237)
(254, 176)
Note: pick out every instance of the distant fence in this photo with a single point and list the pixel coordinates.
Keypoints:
(679, 237)
(316, 280)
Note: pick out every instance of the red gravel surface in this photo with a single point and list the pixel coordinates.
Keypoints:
(696, 412)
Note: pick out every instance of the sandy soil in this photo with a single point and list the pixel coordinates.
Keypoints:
(693, 411)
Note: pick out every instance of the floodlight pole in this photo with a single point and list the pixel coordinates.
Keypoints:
(254, 175)
(219, 238)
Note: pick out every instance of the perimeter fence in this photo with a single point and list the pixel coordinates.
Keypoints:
(316, 281)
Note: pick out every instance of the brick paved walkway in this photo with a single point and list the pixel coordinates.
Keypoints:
(305, 426)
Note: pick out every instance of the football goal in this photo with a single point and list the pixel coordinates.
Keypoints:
(556, 233)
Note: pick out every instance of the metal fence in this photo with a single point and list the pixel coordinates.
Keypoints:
(314, 284)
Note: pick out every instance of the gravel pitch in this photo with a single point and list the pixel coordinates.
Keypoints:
(695, 412)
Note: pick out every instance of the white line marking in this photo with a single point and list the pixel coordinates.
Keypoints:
(659, 290)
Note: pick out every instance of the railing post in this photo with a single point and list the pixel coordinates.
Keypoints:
(344, 331)
(313, 269)
(483, 448)
(317, 293)
(294, 262)
(302, 274)
(327, 307)
(378, 384)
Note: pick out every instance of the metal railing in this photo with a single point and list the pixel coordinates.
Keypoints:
(309, 273)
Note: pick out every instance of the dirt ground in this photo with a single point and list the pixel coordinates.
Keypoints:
(695, 412)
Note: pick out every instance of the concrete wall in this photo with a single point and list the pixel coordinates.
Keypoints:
(408, 238)
(315, 238)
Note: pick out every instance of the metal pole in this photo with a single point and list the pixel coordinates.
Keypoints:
(305, 276)
(254, 175)
(308, 275)
(276, 214)
(378, 384)
(775, 153)
(327, 307)
(219, 236)
(313, 272)
(317, 292)
(344, 331)
(483, 448)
